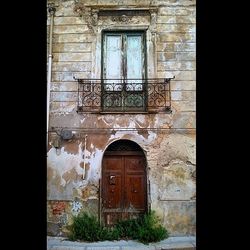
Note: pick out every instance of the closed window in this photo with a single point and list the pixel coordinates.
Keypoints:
(123, 71)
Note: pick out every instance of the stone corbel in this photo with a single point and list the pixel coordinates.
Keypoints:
(94, 21)
(89, 15)
(153, 21)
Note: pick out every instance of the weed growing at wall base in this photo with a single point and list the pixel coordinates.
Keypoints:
(146, 228)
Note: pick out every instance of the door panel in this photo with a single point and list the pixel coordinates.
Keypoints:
(112, 182)
(134, 163)
(135, 192)
(112, 163)
(135, 182)
(113, 195)
(123, 187)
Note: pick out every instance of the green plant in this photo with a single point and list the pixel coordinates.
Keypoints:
(150, 229)
(85, 227)
(127, 228)
(109, 234)
(146, 228)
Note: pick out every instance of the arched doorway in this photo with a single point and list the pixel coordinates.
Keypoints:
(124, 182)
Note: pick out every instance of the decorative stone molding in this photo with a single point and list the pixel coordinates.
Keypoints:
(126, 16)
(51, 8)
(153, 21)
(122, 18)
(92, 14)
(89, 15)
(92, 20)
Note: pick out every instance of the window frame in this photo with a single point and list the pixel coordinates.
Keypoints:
(124, 35)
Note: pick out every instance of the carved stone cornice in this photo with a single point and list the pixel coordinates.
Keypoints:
(120, 15)
(122, 18)
(90, 15)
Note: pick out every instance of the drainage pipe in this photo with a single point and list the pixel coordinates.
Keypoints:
(84, 156)
(51, 10)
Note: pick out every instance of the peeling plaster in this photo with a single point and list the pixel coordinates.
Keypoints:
(65, 173)
(140, 119)
(107, 119)
(82, 120)
(94, 159)
(65, 162)
(172, 174)
(134, 136)
(131, 124)
(152, 136)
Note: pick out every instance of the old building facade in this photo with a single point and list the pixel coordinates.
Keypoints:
(121, 111)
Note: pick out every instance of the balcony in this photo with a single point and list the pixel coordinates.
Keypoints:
(124, 95)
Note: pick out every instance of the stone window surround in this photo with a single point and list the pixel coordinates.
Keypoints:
(121, 22)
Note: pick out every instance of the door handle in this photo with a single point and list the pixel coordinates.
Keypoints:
(112, 179)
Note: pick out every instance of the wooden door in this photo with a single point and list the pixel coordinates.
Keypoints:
(123, 186)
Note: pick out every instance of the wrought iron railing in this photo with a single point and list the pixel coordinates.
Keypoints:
(124, 95)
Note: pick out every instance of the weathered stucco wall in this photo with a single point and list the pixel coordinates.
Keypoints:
(167, 139)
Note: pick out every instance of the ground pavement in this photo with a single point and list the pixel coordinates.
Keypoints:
(171, 243)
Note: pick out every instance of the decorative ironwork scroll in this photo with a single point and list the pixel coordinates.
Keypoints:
(124, 95)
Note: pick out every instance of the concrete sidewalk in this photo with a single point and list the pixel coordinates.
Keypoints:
(174, 243)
